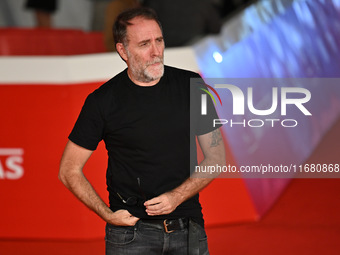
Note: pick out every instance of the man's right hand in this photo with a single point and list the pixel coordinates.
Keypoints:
(123, 218)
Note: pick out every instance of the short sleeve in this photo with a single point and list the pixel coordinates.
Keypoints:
(88, 129)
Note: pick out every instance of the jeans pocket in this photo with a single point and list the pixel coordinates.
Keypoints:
(202, 235)
(119, 235)
(203, 241)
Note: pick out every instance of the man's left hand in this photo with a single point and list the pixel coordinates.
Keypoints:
(163, 204)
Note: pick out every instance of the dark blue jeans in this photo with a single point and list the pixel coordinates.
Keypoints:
(144, 239)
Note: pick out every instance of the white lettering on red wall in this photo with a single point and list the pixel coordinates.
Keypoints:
(11, 160)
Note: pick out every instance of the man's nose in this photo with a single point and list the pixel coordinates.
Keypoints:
(156, 50)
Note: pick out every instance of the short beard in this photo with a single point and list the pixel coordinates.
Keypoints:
(142, 74)
(148, 76)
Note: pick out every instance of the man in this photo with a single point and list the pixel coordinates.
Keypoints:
(142, 114)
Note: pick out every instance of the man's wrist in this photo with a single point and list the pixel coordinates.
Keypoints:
(110, 216)
(178, 196)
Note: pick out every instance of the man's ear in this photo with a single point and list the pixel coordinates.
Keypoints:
(121, 51)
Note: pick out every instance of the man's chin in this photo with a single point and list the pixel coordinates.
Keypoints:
(155, 73)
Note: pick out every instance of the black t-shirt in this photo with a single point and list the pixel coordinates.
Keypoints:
(146, 134)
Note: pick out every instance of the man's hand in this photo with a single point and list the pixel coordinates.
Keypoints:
(163, 204)
(123, 218)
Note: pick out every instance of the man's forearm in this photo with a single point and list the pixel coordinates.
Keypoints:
(71, 175)
(197, 181)
(214, 153)
(83, 190)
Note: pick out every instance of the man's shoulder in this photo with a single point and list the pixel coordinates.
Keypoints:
(110, 86)
(174, 71)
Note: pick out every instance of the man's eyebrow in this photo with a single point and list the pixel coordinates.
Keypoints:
(149, 40)
(144, 41)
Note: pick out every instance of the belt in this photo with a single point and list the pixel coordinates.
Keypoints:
(178, 224)
(168, 225)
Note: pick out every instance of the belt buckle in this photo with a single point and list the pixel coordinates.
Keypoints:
(166, 227)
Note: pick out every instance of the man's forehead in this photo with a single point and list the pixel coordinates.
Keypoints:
(140, 27)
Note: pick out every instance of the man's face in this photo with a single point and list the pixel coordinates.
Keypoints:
(145, 49)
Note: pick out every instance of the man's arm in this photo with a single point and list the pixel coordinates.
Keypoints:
(71, 175)
(214, 153)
